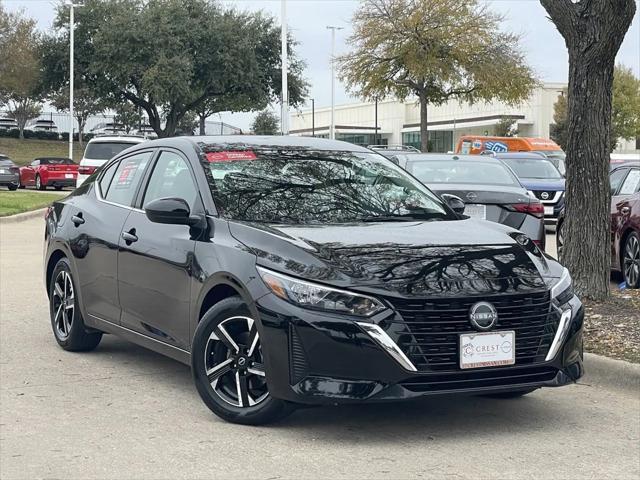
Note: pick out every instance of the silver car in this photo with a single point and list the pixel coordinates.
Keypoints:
(9, 173)
(489, 188)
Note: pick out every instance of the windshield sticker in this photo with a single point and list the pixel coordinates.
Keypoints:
(126, 175)
(214, 157)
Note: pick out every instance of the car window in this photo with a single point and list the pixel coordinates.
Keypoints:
(58, 161)
(458, 171)
(616, 178)
(106, 178)
(105, 150)
(533, 168)
(631, 184)
(171, 177)
(126, 179)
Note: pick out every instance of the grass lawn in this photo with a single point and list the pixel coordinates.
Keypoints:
(18, 202)
(24, 151)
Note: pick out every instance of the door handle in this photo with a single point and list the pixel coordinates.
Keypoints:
(130, 236)
(77, 219)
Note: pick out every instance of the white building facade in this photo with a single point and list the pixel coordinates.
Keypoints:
(399, 122)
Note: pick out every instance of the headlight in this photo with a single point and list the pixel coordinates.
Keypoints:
(562, 290)
(311, 295)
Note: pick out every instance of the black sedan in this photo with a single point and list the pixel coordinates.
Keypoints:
(490, 189)
(293, 271)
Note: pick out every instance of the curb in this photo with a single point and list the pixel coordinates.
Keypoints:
(611, 373)
(21, 217)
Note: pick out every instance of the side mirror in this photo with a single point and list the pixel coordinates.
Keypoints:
(173, 211)
(455, 203)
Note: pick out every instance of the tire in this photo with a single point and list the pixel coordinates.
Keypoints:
(231, 381)
(631, 261)
(13, 188)
(68, 326)
(39, 185)
(508, 395)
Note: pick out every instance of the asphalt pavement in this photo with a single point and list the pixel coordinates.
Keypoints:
(123, 412)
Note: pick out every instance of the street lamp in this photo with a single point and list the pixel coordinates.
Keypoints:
(71, 29)
(332, 131)
(284, 117)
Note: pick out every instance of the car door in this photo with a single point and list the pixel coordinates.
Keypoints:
(155, 262)
(28, 173)
(616, 178)
(97, 221)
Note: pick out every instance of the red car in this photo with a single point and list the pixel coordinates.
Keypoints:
(46, 172)
(625, 223)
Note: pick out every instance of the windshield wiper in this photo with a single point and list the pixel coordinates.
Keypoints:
(396, 218)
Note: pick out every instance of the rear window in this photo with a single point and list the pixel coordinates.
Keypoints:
(105, 150)
(533, 168)
(457, 171)
(56, 161)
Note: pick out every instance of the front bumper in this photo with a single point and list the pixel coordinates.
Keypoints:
(315, 358)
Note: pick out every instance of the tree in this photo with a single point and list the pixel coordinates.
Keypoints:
(436, 50)
(85, 104)
(19, 68)
(558, 129)
(593, 31)
(506, 127)
(625, 108)
(128, 116)
(172, 57)
(266, 123)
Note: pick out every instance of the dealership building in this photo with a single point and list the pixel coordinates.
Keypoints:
(399, 122)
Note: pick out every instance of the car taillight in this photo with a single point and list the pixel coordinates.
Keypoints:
(14, 170)
(533, 208)
(86, 170)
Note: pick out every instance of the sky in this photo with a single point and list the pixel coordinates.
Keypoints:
(308, 19)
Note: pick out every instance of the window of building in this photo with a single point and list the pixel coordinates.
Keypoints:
(440, 141)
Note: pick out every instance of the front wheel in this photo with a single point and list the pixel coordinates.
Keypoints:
(631, 261)
(66, 320)
(13, 187)
(228, 366)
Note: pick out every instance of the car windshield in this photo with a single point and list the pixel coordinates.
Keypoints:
(462, 171)
(558, 158)
(317, 187)
(105, 150)
(533, 168)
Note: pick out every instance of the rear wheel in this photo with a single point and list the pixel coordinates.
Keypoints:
(631, 261)
(12, 187)
(39, 185)
(228, 366)
(66, 319)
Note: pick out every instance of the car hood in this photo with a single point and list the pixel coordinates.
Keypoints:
(543, 184)
(464, 257)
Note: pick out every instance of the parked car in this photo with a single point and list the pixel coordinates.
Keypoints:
(618, 159)
(390, 151)
(101, 149)
(291, 270)
(41, 125)
(43, 172)
(625, 223)
(541, 178)
(8, 123)
(489, 189)
(9, 176)
(108, 128)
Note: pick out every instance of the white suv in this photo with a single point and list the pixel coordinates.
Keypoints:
(101, 149)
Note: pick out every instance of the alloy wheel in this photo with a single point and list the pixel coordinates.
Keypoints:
(63, 299)
(38, 184)
(234, 363)
(631, 261)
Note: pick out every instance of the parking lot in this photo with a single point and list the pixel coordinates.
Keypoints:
(124, 412)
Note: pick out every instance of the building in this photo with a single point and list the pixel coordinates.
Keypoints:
(399, 122)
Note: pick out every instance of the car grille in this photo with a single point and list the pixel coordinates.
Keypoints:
(428, 332)
(496, 377)
(540, 195)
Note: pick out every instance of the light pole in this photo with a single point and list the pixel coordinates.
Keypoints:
(71, 28)
(313, 117)
(332, 131)
(284, 118)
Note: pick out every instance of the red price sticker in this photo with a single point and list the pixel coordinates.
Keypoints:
(213, 157)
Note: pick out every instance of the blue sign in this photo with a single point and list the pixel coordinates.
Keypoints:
(497, 147)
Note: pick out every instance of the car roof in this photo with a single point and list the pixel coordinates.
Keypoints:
(117, 138)
(52, 158)
(218, 142)
(530, 155)
(423, 157)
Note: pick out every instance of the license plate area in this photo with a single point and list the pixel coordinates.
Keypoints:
(487, 349)
(68, 175)
(548, 210)
(474, 210)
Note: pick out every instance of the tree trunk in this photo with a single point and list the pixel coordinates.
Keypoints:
(81, 122)
(593, 32)
(202, 117)
(424, 129)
